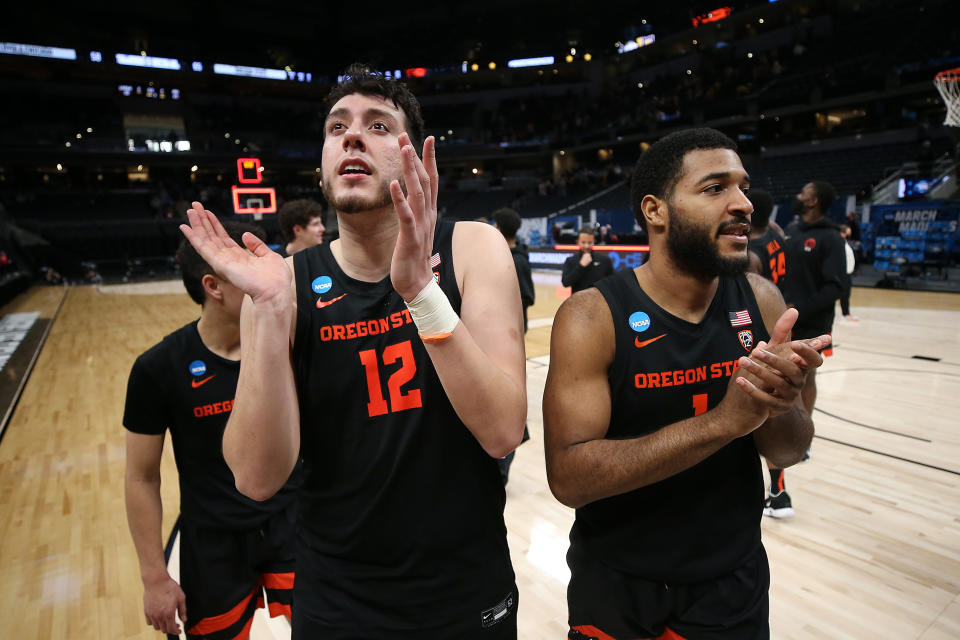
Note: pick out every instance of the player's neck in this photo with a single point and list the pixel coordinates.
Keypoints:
(811, 216)
(218, 332)
(675, 291)
(365, 248)
(294, 247)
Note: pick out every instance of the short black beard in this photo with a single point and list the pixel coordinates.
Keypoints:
(358, 204)
(695, 252)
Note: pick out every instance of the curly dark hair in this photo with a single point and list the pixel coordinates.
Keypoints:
(661, 166)
(508, 221)
(359, 78)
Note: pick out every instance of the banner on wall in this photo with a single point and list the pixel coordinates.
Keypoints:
(894, 219)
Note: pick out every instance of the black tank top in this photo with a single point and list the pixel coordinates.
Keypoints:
(704, 521)
(769, 247)
(400, 503)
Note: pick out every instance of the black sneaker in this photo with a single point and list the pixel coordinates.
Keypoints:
(778, 506)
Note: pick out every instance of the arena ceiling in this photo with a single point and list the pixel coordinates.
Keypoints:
(323, 36)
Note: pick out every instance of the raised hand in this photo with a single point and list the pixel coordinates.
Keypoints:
(417, 215)
(254, 268)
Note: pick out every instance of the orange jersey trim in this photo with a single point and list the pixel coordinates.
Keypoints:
(435, 338)
(591, 630)
(277, 580)
(277, 609)
(224, 620)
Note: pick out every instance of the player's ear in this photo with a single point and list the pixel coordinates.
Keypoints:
(211, 287)
(654, 210)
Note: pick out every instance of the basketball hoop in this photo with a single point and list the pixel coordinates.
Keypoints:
(948, 84)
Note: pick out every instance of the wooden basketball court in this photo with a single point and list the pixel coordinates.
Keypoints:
(874, 551)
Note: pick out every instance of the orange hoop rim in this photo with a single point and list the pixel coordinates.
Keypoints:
(948, 75)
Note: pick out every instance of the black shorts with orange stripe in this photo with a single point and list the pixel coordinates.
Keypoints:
(606, 604)
(227, 575)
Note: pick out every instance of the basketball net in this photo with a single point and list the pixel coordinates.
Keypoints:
(948, 84)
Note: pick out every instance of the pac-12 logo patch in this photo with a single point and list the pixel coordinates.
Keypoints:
(198, 368)
(746, 339)
(639, 321)
(809, 244)
(322, 284)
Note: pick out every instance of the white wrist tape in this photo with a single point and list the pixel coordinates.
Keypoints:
(432, 313)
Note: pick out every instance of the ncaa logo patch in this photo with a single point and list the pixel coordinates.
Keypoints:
(321, 284)
(639, 321)
(198, 368)
(746, 339)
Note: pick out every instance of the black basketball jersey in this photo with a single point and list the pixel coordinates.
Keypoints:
(769, 247)
(704, 521)
(179, 384)
(401, 506)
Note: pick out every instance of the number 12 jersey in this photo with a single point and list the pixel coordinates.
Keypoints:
(401, 514)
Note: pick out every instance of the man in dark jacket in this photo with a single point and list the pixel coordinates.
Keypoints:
(508, 222)
(585, 267)
(814, 274)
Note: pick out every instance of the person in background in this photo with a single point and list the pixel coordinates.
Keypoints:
(508, 222)
(231, 547)
(845, 231)
(815, 270)
(301, 223)
(585, 267)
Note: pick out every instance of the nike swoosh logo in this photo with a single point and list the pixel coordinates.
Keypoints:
(321, 304)
(197, 383)
(640, 344)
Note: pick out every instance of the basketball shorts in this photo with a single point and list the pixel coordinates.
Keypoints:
(358, 610)
(224, 575)
(606, 604)
(305, 627)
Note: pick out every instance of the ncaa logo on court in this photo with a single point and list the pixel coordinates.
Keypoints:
(639, 321)
(322, 284)
(198, 368)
